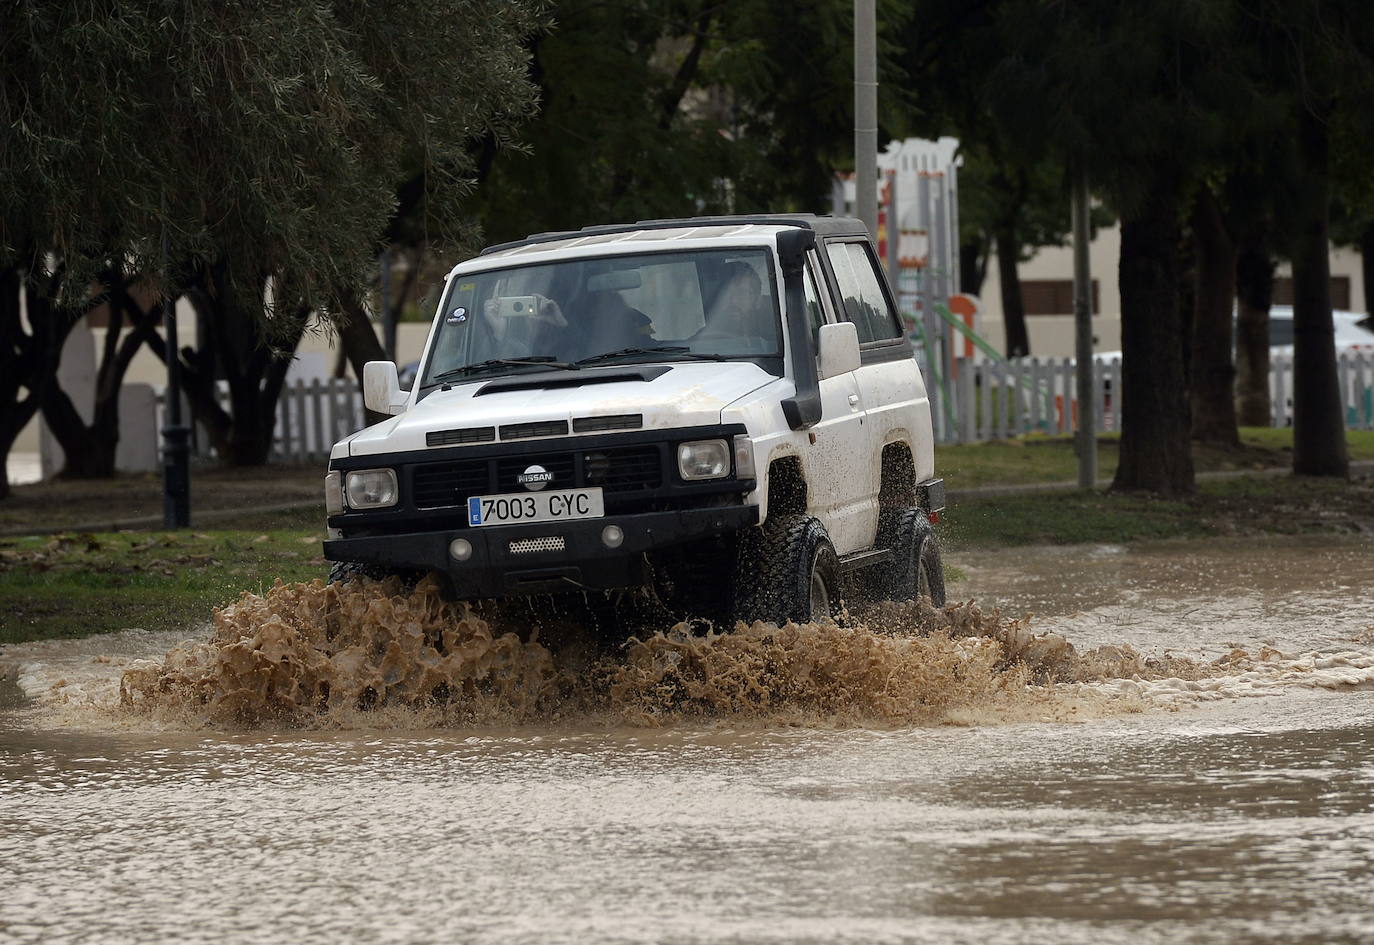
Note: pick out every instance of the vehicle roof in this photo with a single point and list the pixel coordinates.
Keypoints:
(657, 232)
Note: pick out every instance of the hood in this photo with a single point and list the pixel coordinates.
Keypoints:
(687, 394)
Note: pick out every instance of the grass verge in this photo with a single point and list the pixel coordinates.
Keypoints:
(1038, 458)
(1246, 505)
(74, 585)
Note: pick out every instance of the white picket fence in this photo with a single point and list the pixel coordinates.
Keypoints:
(989, 400)
(311, 417)
(995, 400)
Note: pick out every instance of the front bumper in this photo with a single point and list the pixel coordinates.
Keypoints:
(499, 567)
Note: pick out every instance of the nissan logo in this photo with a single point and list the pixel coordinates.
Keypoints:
(535, 478)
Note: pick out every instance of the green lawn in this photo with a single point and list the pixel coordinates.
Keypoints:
(1039, 458)
(1233, 506)
(74, 585)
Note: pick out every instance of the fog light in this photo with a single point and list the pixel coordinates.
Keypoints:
(460, 549)
(612, 536)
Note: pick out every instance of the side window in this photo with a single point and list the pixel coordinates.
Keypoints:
(814, 313)
(864, 302)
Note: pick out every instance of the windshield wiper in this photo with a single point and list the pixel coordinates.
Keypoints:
(681, 350)
(538, 360)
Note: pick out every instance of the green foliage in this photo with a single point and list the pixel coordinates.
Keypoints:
(677, 107)
(268, 132)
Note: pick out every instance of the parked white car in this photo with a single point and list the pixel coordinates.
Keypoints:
(722, 408)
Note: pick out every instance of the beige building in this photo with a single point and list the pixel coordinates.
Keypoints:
(1047, 289)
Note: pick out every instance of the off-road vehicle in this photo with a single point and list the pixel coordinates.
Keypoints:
(722, 409)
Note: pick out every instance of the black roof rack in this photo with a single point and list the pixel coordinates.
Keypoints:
(823, 225)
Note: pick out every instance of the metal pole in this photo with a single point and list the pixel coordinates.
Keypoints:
(1083, 336)
(176, 466)
(866, 115)
(894, 233)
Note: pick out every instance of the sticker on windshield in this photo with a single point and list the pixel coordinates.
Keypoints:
(457, 316)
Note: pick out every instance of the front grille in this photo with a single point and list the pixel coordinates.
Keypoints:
(525, 431)
(524, 546)
(622, 469)
(459, 437)
(441, 485)
(624, 421)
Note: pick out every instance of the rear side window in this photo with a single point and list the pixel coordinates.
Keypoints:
(864, 302)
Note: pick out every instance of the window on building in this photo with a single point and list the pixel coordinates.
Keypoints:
(1053, 297)
(1340, 292)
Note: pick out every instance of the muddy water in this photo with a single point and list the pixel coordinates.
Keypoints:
(1237, 806)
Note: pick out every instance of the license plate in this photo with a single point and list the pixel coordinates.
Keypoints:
(553, 506)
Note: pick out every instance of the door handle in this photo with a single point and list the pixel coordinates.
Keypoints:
(853, 400)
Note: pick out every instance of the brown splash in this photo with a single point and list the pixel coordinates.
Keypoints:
(322, 654)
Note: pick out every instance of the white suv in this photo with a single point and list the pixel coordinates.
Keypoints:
(723, 408)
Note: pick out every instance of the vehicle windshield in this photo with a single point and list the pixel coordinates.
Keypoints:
(669, 306)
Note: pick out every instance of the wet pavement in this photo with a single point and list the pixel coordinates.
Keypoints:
(1234, 813)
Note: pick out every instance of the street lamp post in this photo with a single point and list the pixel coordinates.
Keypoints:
(866, 115)
(176, 467)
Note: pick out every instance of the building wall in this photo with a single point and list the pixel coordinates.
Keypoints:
(1052, 335)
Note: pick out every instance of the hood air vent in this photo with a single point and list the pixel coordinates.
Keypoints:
(458, 437)
(624, 421)
(525, 431)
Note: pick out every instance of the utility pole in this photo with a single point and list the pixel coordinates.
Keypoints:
(1083, 336)
(866, 115)
(176, 466)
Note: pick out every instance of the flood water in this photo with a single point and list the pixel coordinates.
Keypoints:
(1235, 809)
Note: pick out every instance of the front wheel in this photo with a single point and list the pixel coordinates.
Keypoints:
(788, 570)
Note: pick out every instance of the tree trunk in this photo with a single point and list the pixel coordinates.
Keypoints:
(1213, 373)
(973, 264)
(1013, 307)
(28, 359)
(356, 335)
(235, 348)
(1155, 448)
(1254, 294)
(90, 451)
(1318, 418)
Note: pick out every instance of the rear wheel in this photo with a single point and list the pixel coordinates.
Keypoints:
(915, 569)
(788, 570)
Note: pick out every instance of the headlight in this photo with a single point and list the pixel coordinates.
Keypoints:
(370, 488)
(333, 493)
(703, 459)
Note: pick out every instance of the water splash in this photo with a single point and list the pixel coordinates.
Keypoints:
(363, 652)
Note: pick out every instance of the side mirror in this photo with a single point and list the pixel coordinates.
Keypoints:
(381, 390)
(838, 346)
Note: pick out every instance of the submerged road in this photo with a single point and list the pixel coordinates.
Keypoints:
(1234, 814)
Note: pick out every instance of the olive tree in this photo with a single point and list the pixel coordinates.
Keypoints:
(262, 143)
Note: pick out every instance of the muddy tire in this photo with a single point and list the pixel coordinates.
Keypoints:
(915, 569)
(342, 571)
(787, 570)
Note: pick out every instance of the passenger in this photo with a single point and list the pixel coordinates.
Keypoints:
(739, 307)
